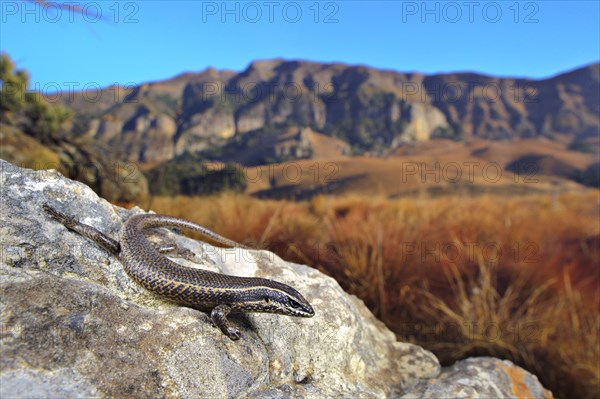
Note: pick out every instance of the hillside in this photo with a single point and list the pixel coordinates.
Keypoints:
(221, 114)
(434, 168)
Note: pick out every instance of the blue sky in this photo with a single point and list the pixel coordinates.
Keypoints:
(138, 41)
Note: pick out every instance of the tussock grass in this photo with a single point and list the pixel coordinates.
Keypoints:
(512, 277)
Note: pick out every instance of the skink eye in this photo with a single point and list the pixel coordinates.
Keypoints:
(294, 304)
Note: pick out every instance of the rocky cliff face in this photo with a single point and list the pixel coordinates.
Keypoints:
(74, 324)
(367, 108)
(566, 106)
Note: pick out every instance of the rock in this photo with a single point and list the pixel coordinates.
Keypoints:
(423, 120)
(73, 324)
(157, 141)
(483, 377)
(136, 132)
(251, 118)
(108, 130)
(210, 127)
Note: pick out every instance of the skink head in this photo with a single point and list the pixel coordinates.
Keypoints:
(292, 303)
(281, 299)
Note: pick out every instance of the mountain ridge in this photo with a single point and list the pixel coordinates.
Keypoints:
(344, 64)
(372, 110)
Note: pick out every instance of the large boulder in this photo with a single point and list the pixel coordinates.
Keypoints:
(480, 378)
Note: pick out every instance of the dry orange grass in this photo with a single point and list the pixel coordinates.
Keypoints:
(512, 277)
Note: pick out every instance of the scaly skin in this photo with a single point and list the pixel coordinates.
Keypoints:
(220, 294)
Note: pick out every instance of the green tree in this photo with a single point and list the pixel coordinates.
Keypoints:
(39, 119)
(14, 84)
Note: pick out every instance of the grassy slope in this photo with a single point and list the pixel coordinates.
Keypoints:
(434, 167)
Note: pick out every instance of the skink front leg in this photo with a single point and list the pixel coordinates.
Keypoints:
(219, 317)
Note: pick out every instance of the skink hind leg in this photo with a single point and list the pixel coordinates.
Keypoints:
(219, 317)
